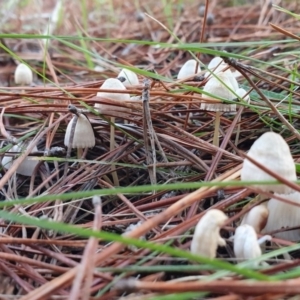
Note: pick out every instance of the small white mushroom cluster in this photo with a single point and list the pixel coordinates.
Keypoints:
(207, 237)
(221, 83)
(272, 151)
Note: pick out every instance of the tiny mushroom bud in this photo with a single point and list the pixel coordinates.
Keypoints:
(257, 217)
(83, 134)
(272, 151)
(188, 69)
(207, 236)
(245, 243)
(112, 84)
(243, 94)
(27, 167)
(130, 78)
(23, 75)
(283, 215)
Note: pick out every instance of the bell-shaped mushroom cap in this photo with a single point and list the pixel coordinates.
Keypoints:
(83, 134)
(245, 243)
(284, 215)
(112, 84)
(27, 167)
(207, 237)
(241, 93)
(218, 87)
(257, 217)
(188, 69)
(129, 76)
(216, 65)
(23, 75)
(272, 151)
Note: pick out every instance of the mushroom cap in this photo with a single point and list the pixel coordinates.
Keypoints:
(112, 84)
(284, 215)
(272, 151)
(27, 167)
(245, 245)
(188, 69)
(207, 237)
(241, 93)
(23, 74)
(130, 77)
(257, 217)
(216, 65)
(83, 134)
(216, 87)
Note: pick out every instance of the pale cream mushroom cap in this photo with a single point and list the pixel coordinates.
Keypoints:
(23, 75)
(27, 167)
(218, 88)
(130, 77)
(272, 151)
(257, 217)
(284, 215)
(216, 65)
(207, 236)
(188, 69)
(83, 134)
(112, 84)
(241, 93)
(245, 245)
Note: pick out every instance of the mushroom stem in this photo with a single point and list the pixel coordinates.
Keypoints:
(216, 131)
(112, 147)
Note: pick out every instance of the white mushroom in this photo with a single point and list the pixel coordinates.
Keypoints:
(283, 216)
(219, 86)
(27, 167)
(218, 65)
(245, 243)
(207, 236)
(112, 84)
(130, 78)
(23, 75)
(272, 151)
(256, 217)
(188, 69)
(243, 94)
(83, 134)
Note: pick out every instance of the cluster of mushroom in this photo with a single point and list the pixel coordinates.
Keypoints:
(207, 237)
(272, 151)
(221, 84)
(79, 133)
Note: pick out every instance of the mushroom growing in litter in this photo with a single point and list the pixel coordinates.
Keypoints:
(128, 77)
(23, 75)
(283, 215)
(272, 151)
(207, 234)
(188, 69)
(27, 167)
(245, 243)
(257, 217)
(79, 133)
(112, 84)
(219, 86)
